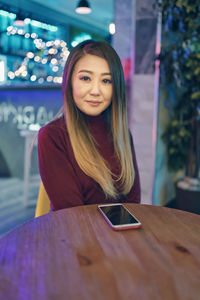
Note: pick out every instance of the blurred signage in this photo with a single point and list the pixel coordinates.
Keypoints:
(25, 116)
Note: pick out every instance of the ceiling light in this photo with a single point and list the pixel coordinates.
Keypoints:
(83, 7)
(112, 28)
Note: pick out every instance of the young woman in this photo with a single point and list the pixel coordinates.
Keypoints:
(87, 155)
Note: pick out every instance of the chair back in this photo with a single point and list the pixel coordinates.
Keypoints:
(43, 202)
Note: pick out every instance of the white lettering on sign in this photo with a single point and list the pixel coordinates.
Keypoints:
(23, 117)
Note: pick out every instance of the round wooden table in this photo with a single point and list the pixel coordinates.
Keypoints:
(74, 254)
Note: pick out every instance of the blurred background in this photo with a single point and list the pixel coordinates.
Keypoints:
(159, 46)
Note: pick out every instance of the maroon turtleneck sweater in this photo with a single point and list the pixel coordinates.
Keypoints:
(65, 183)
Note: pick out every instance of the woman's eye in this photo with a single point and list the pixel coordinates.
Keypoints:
(85, 78)
(107, 81)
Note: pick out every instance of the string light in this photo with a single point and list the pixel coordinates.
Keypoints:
(40, 80)
(48, 49)
(49, 78)
(54, 52)
(55, 69)
(37, 58)
(24, 73)
(33, 78)
(57, 42)
(30, 54)
(54, 61)
(51, 51)
(34, 35)
(44, 61)
(11, 75)
(20, 31)
(27, 35)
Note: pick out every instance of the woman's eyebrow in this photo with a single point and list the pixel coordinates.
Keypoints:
(106, 74)
(90, 72)
(87, 71)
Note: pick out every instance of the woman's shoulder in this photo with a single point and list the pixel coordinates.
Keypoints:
(55, 124)
(54, 129)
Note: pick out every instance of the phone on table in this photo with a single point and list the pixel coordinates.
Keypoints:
(118, 216)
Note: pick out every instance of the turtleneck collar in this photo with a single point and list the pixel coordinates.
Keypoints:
(97, 123)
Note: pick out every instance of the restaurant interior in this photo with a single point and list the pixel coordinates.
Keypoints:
(161, 68)
(102, 248)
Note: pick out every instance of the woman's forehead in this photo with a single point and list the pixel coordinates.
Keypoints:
(92, 63)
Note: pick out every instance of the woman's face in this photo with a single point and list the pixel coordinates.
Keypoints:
(92, 85)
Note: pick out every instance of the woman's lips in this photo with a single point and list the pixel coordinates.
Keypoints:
(94, 103)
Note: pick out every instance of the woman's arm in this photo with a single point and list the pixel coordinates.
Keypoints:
(57, 168)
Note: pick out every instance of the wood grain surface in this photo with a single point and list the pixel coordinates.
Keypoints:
(74, 254)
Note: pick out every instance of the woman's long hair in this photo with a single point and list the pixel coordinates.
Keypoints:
(83, 144)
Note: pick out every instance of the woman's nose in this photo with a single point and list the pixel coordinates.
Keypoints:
(95, 89)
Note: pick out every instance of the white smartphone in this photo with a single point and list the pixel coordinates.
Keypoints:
(118, 216)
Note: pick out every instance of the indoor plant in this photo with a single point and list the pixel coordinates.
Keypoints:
(180, 78)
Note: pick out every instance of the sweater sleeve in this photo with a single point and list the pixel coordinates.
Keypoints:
(57, 169)
(135, 193)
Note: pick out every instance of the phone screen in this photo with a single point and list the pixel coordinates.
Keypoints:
(118, 215)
